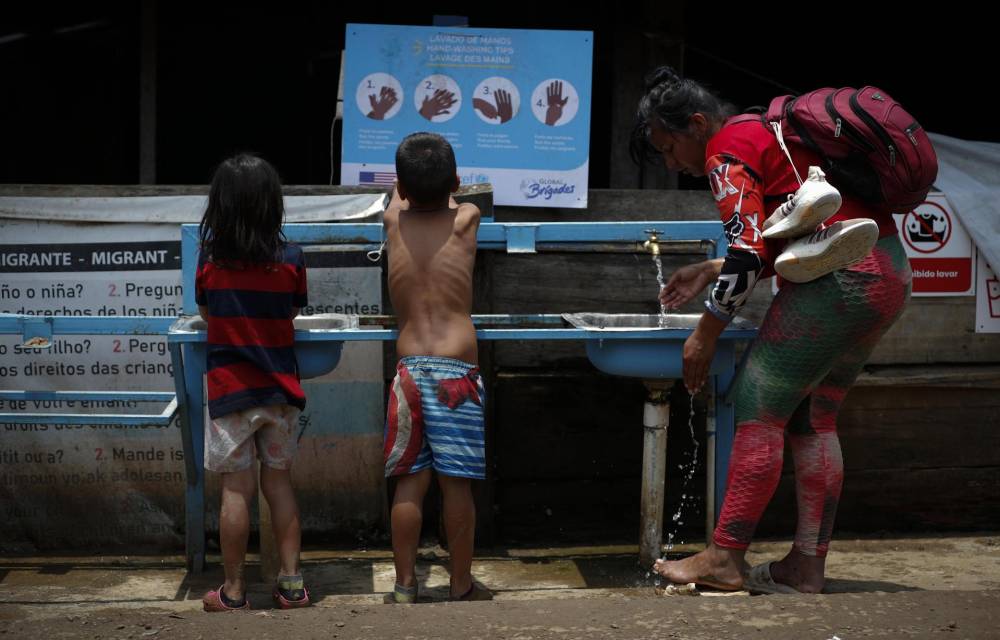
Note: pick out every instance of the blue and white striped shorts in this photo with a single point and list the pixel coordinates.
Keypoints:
(435, 418)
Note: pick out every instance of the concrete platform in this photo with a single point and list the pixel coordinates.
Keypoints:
(77, 595)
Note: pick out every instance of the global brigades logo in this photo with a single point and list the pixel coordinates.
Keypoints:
(545, 188)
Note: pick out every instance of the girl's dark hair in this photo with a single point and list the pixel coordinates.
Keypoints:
(242, 222)
(670, 101)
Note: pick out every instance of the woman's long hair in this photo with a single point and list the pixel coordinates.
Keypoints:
(670, 101)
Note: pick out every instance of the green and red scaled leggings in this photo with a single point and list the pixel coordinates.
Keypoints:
(811, 346)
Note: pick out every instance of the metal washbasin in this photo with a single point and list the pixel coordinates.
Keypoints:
(650, 345)
(317, 342)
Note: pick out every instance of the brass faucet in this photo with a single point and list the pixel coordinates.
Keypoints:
(652, 245)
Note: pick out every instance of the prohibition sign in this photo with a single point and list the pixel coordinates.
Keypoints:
(920, 229)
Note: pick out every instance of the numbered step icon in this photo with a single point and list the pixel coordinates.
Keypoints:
(379, 96)
(437, 98)
(496, 100)
(555, 102)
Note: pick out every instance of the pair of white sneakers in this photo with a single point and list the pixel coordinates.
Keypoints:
(826, 249)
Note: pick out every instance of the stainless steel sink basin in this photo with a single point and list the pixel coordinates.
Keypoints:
(317, 345)
(650, 346)
(318, 322)
(643, 321)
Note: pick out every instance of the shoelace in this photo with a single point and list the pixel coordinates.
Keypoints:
(786, 207)
(820, 235)
(781, 143)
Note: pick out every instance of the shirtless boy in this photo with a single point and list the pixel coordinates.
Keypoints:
(435, 408)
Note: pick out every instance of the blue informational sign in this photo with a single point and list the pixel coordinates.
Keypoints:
(513, 103)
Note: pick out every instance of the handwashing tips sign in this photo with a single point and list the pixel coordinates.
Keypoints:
(514, 104)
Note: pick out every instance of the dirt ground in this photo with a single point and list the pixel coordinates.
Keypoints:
(912, 587)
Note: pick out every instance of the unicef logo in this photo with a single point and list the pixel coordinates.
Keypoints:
(545, 188)
(474, 178)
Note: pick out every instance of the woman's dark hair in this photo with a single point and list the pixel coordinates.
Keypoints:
(425, 167)
(242, 222)
(670, 101)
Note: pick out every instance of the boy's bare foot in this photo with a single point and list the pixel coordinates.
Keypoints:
(474, 592)
(714, 567)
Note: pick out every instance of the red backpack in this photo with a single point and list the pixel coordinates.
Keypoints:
(872, 146)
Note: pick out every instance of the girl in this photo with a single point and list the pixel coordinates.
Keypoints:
(250, 284)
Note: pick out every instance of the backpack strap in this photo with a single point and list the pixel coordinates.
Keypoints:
(774, 126)
(746, 117)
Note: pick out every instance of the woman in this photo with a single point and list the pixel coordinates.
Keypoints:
(811, 346)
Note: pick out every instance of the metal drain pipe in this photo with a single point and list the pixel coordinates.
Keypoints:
(655, 418)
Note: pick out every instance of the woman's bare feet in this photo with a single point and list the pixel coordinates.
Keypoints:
(715, 567)
(805, 574)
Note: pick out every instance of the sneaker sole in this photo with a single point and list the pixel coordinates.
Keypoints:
(849, 247)
(818, 213)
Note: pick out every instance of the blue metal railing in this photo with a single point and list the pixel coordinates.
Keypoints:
(40, 330)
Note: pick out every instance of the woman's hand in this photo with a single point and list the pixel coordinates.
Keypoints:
(699, 349)
(688, 282)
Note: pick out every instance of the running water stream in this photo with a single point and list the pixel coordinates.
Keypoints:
(659, 280)
(692, 467)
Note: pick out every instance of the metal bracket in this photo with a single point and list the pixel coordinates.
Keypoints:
(521, 238)
(37, 332)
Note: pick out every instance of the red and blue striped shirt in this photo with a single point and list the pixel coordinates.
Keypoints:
(251, 339)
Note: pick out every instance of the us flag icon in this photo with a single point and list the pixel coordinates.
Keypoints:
(377, 177)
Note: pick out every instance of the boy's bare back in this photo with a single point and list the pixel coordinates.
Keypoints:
(431, 259)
